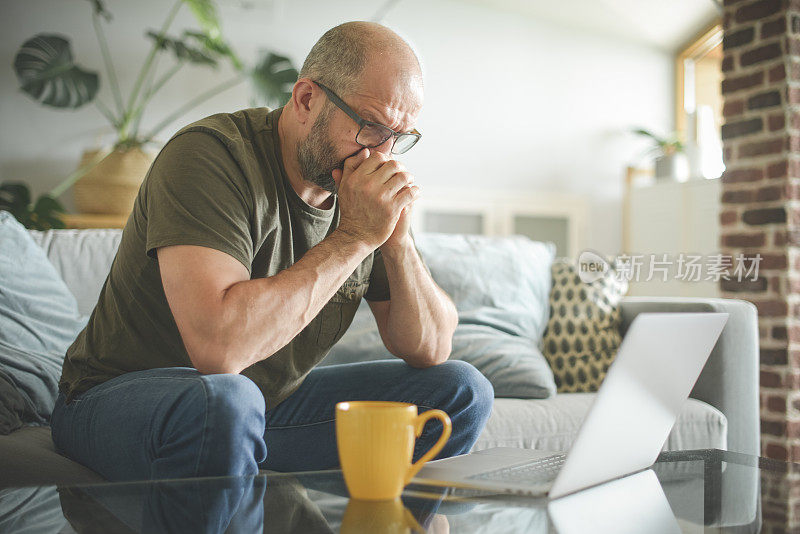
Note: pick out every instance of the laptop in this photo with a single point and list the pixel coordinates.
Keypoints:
(630, 505)
(634, 410)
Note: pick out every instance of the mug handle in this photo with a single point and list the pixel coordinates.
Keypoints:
(447, 428)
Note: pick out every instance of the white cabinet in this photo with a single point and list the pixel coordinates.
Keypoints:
(681, 221)
(556, 217)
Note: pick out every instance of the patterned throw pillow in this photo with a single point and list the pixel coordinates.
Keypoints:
(583, 332)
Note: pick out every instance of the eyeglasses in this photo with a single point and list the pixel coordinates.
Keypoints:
(371, 134)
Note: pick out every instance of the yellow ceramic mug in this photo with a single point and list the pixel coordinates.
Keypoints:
(376, 446)
(379, 517)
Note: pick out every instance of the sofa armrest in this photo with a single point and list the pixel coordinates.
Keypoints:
(730, 379)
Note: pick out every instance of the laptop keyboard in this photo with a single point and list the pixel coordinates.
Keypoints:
(536, 471)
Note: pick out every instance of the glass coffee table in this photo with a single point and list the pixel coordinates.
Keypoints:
(688, 491)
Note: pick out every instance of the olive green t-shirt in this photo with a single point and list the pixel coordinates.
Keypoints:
(218, 183)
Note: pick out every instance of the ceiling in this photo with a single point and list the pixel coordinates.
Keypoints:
(667, 25)
(664, 24)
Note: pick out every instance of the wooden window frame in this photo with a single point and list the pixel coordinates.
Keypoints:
(698, 47)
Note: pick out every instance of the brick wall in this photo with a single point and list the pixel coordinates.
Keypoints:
(760, 193)
(760, 213)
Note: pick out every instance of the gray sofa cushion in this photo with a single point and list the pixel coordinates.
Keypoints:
(28, 458)
(28, 386)
(500, 287)
(513, 364)
(552, 424)
(39, 319)
(37, 310)
(15, 409)
(82, 258)
(502, 282)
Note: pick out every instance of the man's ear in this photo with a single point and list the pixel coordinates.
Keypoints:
(304, 99)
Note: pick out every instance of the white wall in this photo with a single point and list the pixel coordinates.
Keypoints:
(511, 102)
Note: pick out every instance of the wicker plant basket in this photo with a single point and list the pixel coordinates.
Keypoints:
(111, 186)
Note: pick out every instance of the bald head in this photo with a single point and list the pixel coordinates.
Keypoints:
(346, 52)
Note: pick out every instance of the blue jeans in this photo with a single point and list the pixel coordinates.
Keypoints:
(175, 422)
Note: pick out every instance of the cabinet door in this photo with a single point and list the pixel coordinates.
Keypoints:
(556, 217)
(702, 216)
(656, 219)
(454, 223)
(681, 221)
(555, 229)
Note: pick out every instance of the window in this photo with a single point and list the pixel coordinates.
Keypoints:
(698, 113)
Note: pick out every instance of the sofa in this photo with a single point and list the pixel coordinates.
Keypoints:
(721, 413)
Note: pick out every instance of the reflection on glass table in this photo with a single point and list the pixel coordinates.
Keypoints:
(688, 491)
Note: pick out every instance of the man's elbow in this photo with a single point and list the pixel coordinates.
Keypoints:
(432, 356)
(214, 365)
(229, 357)
(212, 359)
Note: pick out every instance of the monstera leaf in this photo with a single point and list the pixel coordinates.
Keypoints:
(182, 50)
(206, 14)
(46, 71)
(205, 11)
(216, 46)
(273, 79)
(15, 197)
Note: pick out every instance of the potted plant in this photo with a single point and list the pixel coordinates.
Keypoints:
(107, 180)
(42, 215)
(671, 162)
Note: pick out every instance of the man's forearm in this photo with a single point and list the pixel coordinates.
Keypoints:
(422, 318)
(260, 316)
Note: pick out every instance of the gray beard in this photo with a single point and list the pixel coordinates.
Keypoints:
(325, 181)
(316, 155)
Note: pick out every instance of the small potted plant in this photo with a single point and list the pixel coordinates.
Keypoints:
(670, 159)
(107, 180)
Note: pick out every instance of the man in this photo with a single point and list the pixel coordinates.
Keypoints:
(253, 238)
